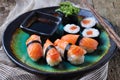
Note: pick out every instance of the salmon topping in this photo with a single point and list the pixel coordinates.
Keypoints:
(73, 28)
(89, 43)
(86, 21)
(89, 32)
(76, 50)
(61, 43)
(35, 51)
(70, 38)
(34, 47)
(54, 54)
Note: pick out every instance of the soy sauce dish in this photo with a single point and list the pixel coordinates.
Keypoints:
(61, 53)
(40, 23)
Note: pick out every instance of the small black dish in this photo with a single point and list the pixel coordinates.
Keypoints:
(40, 23)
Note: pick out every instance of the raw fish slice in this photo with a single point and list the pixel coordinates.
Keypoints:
(34, 47)
(88, 44)
(70, 38)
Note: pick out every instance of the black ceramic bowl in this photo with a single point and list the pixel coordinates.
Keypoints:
(40, 23)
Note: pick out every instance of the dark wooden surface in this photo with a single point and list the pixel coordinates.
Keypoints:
(109, 9)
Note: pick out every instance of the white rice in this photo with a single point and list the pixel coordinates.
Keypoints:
(95, 32)
(68, 29)
(51, 63)
(91, 24)
(76, 59)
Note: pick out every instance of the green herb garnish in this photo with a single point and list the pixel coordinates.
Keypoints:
(68, 9)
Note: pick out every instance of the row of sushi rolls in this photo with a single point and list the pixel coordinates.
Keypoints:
(71, 47)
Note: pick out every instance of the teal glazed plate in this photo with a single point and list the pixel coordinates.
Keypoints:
(14, 40)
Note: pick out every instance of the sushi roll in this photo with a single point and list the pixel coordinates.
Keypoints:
(51, 54)
(90, 32)
(71, 28)
(34, 47)
(88, 22)
(72, 53)
(88, 44)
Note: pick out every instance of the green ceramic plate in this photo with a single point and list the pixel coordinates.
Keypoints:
(14, 44)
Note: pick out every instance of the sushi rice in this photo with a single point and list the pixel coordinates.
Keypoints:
(88, 22)
(71, 28)
(76, 59)
(90, 32)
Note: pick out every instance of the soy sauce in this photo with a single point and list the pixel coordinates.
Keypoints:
(44, 26)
